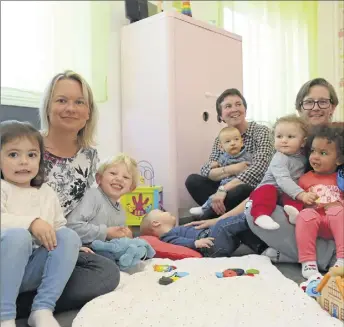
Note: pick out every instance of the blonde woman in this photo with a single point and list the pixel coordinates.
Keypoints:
(69, 117)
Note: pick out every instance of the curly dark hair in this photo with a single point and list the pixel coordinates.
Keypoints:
(13, 129)
(333, 134)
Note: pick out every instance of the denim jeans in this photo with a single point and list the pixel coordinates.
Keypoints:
(225, 232)
(26, 269)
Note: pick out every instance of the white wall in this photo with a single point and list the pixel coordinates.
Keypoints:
(109, 127)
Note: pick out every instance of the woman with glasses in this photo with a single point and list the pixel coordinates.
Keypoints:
(316, 102)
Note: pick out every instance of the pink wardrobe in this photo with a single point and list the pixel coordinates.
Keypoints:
(173, 69)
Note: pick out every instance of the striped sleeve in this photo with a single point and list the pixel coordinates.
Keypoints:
(262, 155)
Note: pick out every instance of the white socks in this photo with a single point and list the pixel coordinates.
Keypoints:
(309, 268)
(8, 323)
(196, 211)
(42, 318)
(276, 256)
(292, 213)
(266, 222)
(339, 262)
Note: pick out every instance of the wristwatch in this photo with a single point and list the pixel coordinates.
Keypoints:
(221, 189)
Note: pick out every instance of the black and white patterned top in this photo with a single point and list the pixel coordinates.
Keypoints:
(258, 142)
(71, 177)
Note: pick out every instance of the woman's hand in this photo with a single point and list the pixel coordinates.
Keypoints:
(201, 224)
(44, 232)
(217, 202)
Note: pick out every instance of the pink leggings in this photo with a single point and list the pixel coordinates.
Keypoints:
(311, 223)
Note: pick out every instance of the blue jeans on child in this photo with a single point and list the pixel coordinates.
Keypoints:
(225, 232)
(26, 269)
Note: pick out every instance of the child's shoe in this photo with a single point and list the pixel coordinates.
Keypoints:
(266, 222)
(196, 211)
(339, 262)
(292, 213)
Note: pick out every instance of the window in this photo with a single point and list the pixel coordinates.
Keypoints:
(326, 305)
(342, 314)
(275, 60)
(42, 38)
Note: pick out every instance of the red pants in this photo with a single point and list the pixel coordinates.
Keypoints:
(264, 200)
(311, 223)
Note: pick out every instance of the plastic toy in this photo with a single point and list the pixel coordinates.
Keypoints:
(164, 268)
(236, 272)
(186, 8)
(166, 280)
(310, 285)
(144, 198)
(331, 288)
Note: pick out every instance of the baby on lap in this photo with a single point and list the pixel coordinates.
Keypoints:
(217, 241)
(232, 144)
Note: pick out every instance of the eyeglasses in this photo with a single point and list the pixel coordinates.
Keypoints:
(310, 104)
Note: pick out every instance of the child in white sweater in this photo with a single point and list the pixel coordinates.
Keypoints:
(37, 251)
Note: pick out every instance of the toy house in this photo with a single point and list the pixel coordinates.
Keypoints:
(331, 288)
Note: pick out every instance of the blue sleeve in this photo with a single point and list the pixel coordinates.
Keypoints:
(178, 240)
(340, 178)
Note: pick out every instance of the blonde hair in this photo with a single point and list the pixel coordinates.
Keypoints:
(293, 119)
(87, 134)
(228, 129)
(122, 158)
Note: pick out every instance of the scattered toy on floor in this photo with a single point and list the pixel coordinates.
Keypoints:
(166, 280)
(164, 268)
(236, 272)
(311, 284)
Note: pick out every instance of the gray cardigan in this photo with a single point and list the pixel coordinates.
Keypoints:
(284, 172)
(94, 214)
